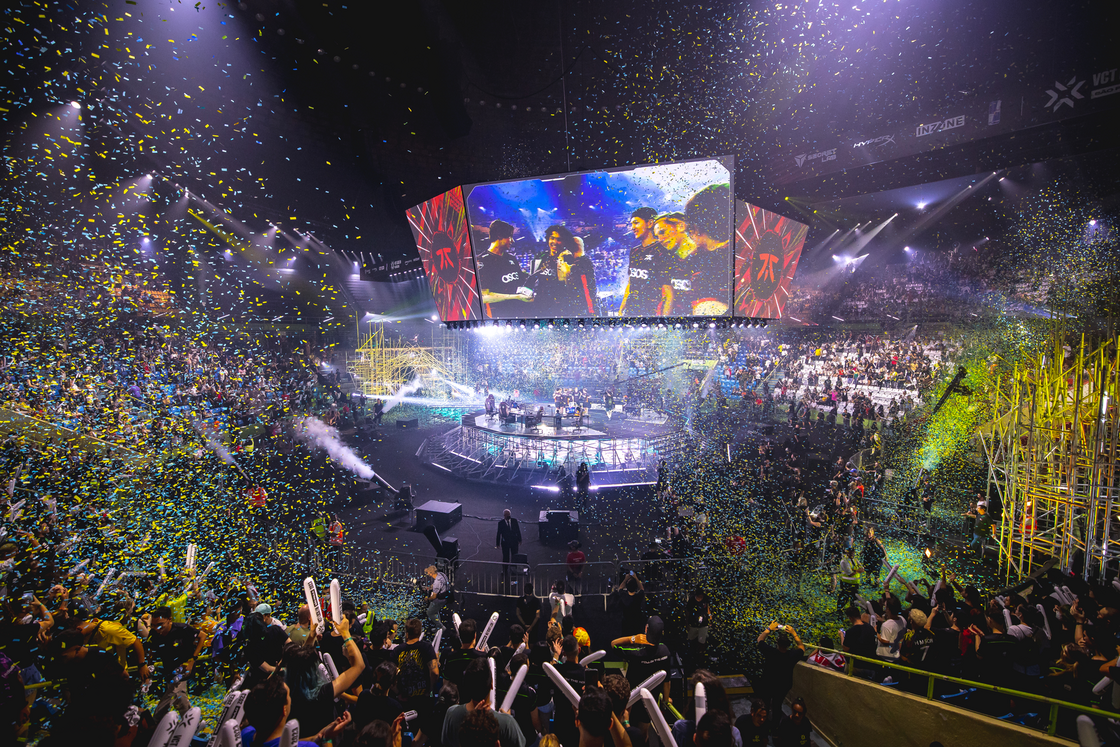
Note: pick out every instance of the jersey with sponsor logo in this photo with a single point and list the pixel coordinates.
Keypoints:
(645, 270)
(551, 296)
(500, 273)
(581, 282)
(677, 275)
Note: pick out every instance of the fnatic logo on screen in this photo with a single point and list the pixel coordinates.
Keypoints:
(444, 254)
(639, 274)
(821, 155)
(881, 140)
(951, 123)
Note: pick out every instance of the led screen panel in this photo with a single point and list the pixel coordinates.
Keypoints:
(439, 227)
(767, 248)
(639, 241)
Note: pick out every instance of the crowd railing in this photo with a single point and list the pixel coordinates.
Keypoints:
(964, 687)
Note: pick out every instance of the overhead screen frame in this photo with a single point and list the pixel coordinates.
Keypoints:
(727, 162)
(459, 299)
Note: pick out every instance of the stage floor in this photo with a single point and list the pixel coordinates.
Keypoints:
(596, 425)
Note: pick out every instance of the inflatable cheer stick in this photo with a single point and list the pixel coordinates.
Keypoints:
(658, 719)
(594, 656)
(232, 707)
(482, 639)
(701, 699)
(562, 684)
(311, 594)
(336, 600)
(164, 729)
(650, 682)
(515, 686)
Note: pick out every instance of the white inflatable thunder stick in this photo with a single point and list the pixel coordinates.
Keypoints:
(336, 600)
(563, 685)
(515, 686)
(311, 594)
(701, 699)
(650, 682)
(658, 719)
(482, 639)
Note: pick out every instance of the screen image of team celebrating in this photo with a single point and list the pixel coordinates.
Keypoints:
(677, 263)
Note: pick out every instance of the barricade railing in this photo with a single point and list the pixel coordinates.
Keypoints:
(596, 578)
(493, 578)
(1053, 704)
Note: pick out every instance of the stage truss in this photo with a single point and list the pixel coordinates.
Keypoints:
(1052, 458)
(382, 364)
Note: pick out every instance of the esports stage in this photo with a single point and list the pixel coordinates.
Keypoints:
(536, 445)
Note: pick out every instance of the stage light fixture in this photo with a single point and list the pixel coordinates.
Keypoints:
(921, 206)
(76, 104)
(696, 325)
(1092, 221)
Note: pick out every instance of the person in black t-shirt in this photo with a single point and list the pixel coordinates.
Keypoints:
(859, 638)
(529, 613)
(708, 214)
(417, 668)
(175, 646)
(574, 673)
(671, 230)
(575, 270)
(794, 730)
(642, 295)
(646, 655)
(699, 617)
(458, 660)
(376, 704)
(618, 690)
(500, 277)
(552, 295)
(755, 727)
(778, 664)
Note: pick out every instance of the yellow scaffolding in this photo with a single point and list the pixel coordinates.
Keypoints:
(383, 364)
(1052, 459)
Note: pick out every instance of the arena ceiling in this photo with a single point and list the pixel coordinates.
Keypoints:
(330, 118)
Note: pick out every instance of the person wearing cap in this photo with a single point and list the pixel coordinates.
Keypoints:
(646, 655)
(708, 213)
(500, 277)
(265, 611)
(671, 229)
(642, 294)
(981, 530)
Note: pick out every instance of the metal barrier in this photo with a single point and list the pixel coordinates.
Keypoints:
(1055, 705)
(596, 578)
(494, 578)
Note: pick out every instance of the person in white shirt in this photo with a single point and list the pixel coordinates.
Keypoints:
(890, 632)
(437, 598)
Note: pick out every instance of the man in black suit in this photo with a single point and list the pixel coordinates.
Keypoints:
(509, 536)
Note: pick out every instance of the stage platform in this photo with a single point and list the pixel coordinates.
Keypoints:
(620, 450)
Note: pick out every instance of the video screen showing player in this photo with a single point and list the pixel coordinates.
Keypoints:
(587, 244)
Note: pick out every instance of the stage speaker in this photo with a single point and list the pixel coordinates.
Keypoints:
(520, 557)
(414, 423)
(447, 548)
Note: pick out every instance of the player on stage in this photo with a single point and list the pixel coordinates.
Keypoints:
(671, 230)
(709, 227)
(500, 276)
(642, 295)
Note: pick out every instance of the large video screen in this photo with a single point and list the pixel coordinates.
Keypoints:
(439, 227)
(635, 242)
(767, 249)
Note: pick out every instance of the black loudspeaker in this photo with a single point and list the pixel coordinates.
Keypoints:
(520, 557)
(447, 547)
(414, 423)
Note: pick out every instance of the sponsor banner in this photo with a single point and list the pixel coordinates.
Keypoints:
(1072, 92)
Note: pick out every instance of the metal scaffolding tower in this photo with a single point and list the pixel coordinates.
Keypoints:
(382, 364)
(1052, 460)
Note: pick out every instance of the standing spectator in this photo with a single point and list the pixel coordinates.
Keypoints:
(377, 703)
(417, 667)
(509, 536)
(646, 655)
(437, 597)
(574, 673)
(299, 632)
(458, 660)
(859, 638)
(576, 561)
(794, 730)
(506, 652)
(475, 694)
(981, 530)
(175, 646)
(631, 597)
(778, 664)
(529, 613)
(685, 729)
(618, 690)
(715, 730)
(872, 556)
(562, 602)
(312, 695)
(890, 631)
(699, 617)
(849, 580)
(827, 659)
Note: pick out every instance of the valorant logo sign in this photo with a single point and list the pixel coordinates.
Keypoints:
(951, 123)
(881, 140)
(822, 156)
(1064, 95)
